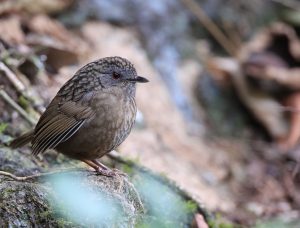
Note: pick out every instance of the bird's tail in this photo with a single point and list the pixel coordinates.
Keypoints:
(22, 140)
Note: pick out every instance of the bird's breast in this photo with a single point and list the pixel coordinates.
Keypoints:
(115, 116)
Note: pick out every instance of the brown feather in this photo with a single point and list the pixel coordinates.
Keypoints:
(58, 124)
(49, 134)
(66, 135)
(22, 140)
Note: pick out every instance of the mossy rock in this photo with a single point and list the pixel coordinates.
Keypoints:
(69, 199)
(81, 198)
(76, 198)
(18, 163)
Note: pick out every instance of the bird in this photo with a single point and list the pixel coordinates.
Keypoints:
(91, 115)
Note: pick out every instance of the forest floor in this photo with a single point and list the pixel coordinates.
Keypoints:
(241, 164)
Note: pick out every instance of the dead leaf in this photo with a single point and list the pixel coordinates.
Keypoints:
(292, 138)
(263, 106)
(54, 41)
(10, 30)
(43, 25)
(48, 28)
(265, 74)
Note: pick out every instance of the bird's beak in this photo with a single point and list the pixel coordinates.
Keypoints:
(138, 79)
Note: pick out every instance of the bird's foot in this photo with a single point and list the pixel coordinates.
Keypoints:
(105, 172)
(111, 173)
(100, 168)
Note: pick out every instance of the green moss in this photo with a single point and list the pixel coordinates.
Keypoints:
(127, 169)
(163, 175)
(46, 214)
(63, 223)
(3, 126)
(24, 102)
(190, 206)
(7, 192)
(220, 222)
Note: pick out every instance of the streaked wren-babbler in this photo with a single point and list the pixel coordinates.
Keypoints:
(91, 114)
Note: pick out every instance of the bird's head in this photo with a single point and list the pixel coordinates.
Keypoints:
(118, 72)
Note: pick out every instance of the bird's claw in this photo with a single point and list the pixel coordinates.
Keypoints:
(104, 172)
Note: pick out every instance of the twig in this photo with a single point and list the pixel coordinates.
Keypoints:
(231, 33)
(38, 175)
(12, 176)
(17, 107)
(17, 83)
(12, 78)
(211, 26)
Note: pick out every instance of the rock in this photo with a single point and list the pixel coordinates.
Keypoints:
(10, 159)
(23, 204)
(64, 198)
(78, 198)
(81, 198)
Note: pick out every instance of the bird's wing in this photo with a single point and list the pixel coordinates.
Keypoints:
(58, 123)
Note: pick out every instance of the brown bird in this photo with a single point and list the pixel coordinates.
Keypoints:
(91, 114)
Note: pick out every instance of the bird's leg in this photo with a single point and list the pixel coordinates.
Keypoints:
(114, 171)
(99, 169)
(91, 164)
(100, 164)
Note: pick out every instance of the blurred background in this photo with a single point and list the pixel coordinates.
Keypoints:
(220, 116)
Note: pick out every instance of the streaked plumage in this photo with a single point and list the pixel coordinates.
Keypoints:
(91, 114)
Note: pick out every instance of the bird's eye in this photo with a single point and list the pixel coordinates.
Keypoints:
(116, 75)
